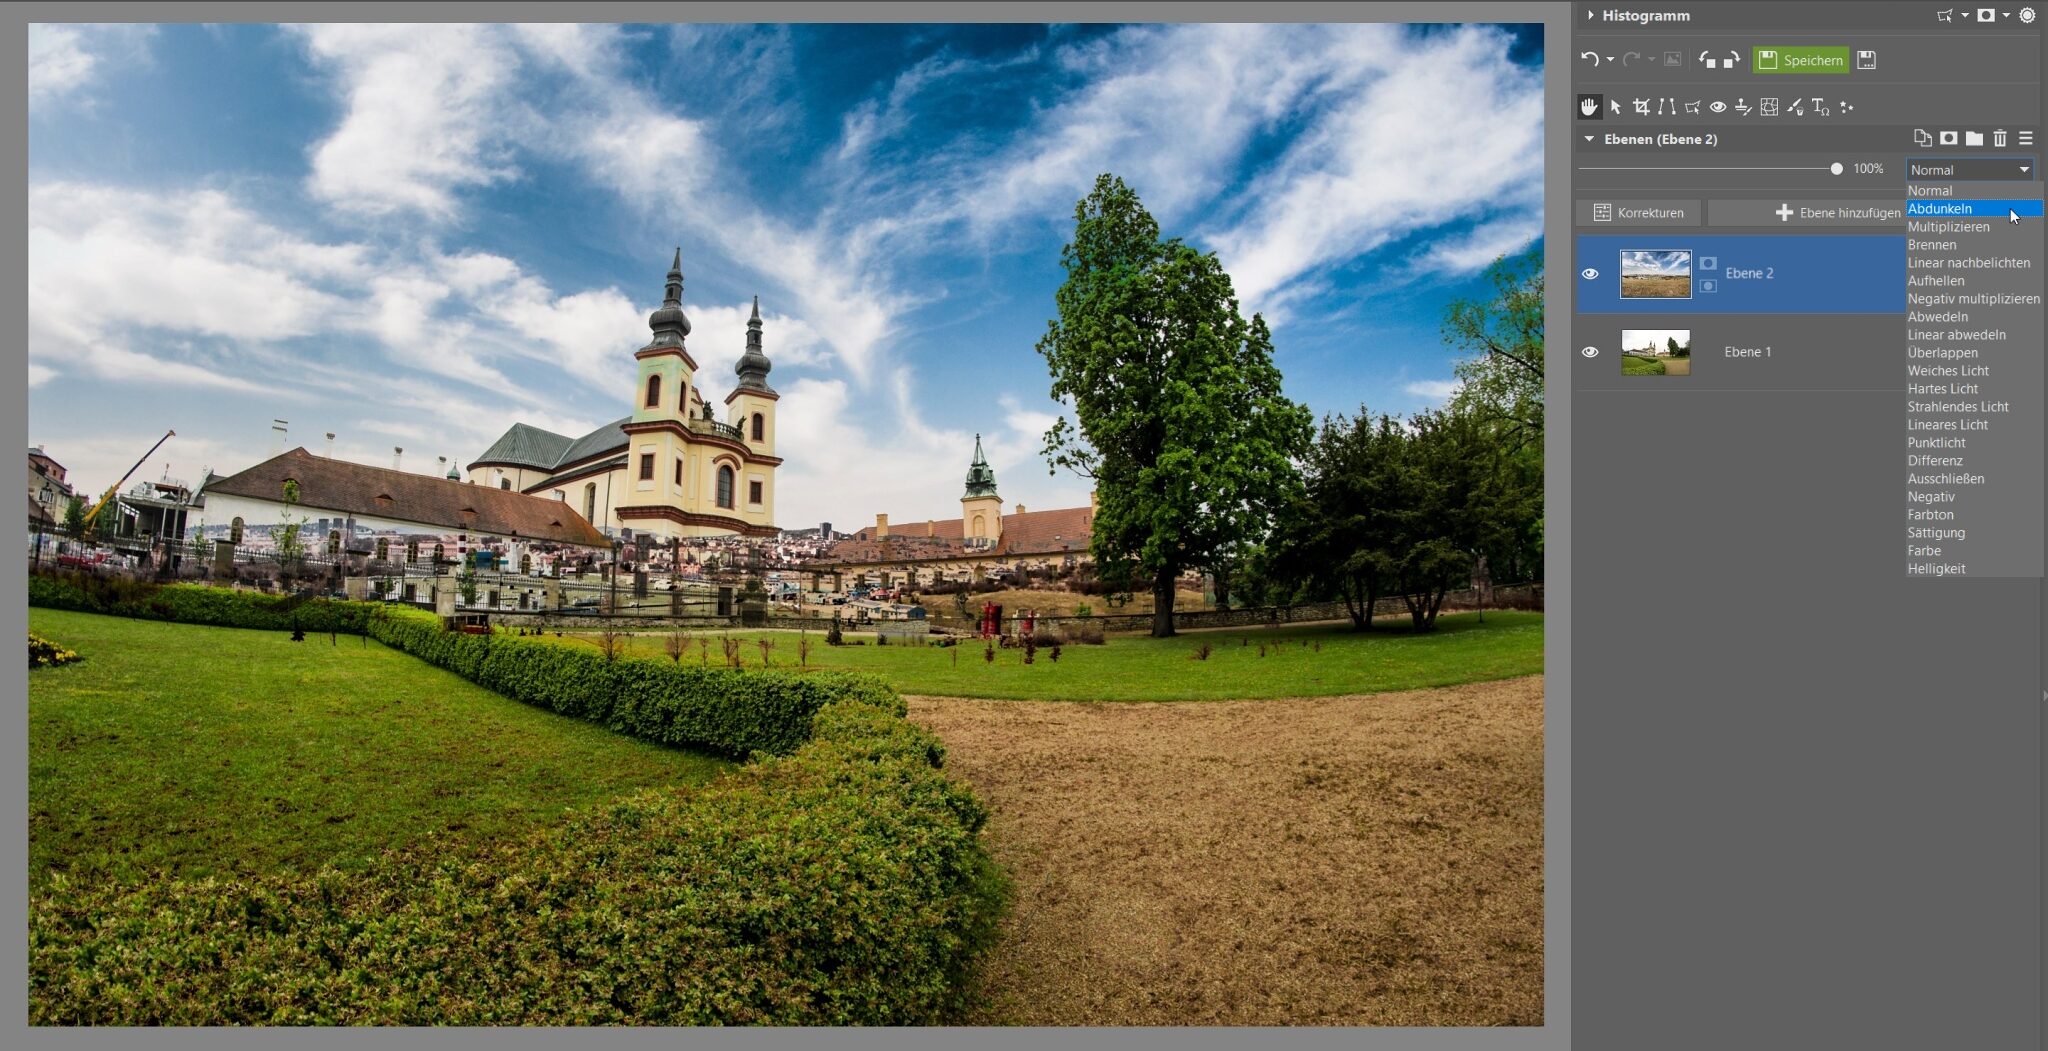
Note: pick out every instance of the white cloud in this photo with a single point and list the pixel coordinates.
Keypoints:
(1433, 391)
(425, 116)
(1438, 131)
(106, 264)
(1483, 244)
(718, 336)
(473, 273)
(40, 374)
(65, 60)
(850, 456)
(58, 62)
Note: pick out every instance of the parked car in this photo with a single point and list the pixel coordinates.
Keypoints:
(82, 561)
(662, 584)
(585, 603)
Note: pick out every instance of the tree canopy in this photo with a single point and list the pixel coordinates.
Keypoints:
(1178, 414)
(1503, 383)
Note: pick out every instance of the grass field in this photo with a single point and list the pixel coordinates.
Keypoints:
(1137, 668)
(1656, 286)
(1632, 365)
(186, 751)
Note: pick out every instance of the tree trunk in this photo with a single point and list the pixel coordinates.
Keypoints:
(1361, 618)
(1162, 604)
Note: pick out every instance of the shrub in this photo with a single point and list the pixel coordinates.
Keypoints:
(722, 710)
(1085, 632)
(42, 653)
(1045, 637)
(843, 884)
(1201, 653)
(196, 604)
(837, 879)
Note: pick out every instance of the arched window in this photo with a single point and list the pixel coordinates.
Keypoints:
(590, 501)
(504, 483)
(235, 530)
(759, 426)
(724, 486)
(440, 552)
(980, 528)
(412, 551)
(383, 549)
(654, 390)
(334, 541)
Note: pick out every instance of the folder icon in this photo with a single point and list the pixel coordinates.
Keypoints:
(1973, 138)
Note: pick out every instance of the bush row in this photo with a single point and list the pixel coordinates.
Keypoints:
(720, 710)
(731, 712)
(842, 884)
(195, 604)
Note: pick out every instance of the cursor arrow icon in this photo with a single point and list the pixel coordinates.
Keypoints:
(2012, 215)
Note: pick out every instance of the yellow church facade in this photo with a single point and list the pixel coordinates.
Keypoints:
(671, 468)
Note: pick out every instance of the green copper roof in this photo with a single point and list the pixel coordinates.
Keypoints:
(528, 447)
(981, 478)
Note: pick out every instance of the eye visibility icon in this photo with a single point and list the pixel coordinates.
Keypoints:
(1589, 273)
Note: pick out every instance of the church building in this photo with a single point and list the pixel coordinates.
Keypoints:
(982, 540)
(670, 468)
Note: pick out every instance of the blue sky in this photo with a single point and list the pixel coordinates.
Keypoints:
(418, 235)
(1654, 263)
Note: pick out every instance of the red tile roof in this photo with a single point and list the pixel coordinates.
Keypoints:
(327, 484)
(1063, 531)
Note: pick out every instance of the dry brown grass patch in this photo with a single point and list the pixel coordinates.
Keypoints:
(1370, 860)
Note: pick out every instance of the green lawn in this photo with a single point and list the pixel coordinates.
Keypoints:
(1137, 668)
(1635, 366)
(183, 750)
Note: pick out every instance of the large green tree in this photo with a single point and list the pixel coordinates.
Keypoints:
(1178, 414)
(1342, 533)
(1503, 383)
(1502, 391)
(74, 518)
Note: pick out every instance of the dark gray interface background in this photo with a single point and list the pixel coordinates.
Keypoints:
(1806, 789)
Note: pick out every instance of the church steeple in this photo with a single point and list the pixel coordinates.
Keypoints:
(668, 322)
(981, 478)
(753, 366)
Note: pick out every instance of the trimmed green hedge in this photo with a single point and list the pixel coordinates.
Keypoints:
(195, 604)
(732, 712)
(721, 710)
(842, 884)
(841, 880)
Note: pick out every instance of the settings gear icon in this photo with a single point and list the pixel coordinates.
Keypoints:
(2026, 16)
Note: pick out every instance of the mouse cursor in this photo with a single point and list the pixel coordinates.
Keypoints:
(2012, 215)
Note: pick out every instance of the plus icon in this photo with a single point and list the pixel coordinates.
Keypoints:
(1784, 213)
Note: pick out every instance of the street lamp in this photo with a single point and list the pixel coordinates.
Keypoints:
(612, 607)
(46, 497)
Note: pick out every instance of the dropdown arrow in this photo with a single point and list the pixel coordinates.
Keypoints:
(2024, 168)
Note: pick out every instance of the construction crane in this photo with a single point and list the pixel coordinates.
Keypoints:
(94, 513)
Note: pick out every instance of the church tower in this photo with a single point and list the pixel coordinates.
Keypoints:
(751, 408)
(666, 368)
(981, 508)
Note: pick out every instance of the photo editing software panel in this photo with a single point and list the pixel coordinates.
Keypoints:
(1806, 386)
